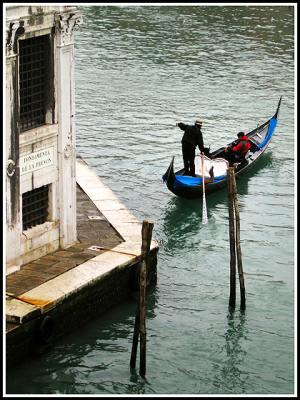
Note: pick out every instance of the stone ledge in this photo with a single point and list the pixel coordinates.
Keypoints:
(49, 294)
(19, 312)
(46, 296)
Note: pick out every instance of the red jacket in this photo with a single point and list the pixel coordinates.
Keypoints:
(243, 145)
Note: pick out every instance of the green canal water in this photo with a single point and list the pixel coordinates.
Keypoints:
(139, 70)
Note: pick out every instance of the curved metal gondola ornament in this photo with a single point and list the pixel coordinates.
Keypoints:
(276, 115)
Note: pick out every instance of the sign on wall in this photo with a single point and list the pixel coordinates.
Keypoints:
(37, 160)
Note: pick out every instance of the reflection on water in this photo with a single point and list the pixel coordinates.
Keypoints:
(89, 352)
(231, 374)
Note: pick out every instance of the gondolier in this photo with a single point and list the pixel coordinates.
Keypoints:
(191, 138)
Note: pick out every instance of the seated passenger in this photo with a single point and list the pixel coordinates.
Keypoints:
(238, 152)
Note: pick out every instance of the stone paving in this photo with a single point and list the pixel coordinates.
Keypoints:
(90, 231)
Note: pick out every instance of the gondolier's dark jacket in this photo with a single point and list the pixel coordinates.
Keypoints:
(192, 134)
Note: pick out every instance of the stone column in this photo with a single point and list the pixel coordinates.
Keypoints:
(13, 218)
(65, 103)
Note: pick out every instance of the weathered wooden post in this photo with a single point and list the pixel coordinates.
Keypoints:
(232, 295)
(140, 319)
(135, 339)
(238, 245)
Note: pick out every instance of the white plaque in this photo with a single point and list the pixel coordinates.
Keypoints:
(37, 160)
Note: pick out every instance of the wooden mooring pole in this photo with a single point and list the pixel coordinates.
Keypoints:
(238, 246)
(140, 319)
(135, 339)
(235, 244)
(232, 294)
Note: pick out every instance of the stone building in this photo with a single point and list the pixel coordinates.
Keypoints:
(40, 131)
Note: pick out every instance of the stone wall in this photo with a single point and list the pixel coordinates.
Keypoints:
(29, 340)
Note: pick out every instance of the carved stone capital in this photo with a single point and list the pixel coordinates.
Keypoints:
(66, 24)
(13, 32)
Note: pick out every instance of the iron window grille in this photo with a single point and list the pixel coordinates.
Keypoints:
(35, 207)
(34, 74)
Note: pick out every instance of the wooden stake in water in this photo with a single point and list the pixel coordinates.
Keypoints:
(232, 295)
(238, 245)
(204, 208)
(135, 339)
(140, 320)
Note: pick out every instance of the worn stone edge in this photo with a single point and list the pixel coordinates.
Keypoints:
(19, 312)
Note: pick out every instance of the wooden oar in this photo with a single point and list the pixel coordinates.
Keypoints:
(204, 209)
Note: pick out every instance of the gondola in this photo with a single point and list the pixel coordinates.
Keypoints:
(215, 165)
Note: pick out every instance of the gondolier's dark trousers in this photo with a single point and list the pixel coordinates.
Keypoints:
(188, 154)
